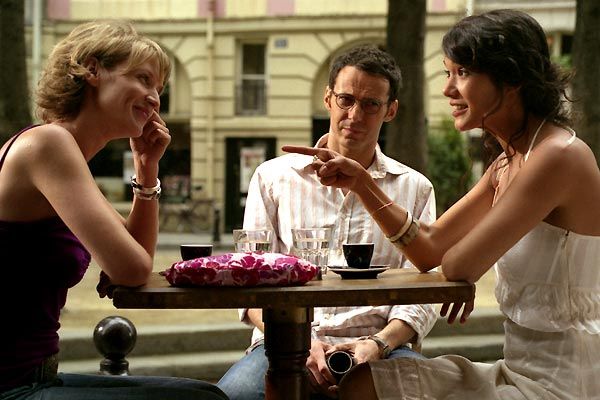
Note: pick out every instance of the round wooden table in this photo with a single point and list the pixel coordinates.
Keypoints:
(288, 311)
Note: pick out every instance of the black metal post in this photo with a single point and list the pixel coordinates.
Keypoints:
(216, 226)
(114, 338)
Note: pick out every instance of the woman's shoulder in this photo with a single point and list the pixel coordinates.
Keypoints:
(45, 140)
(52, 132)
(563, 150)
(46, 147)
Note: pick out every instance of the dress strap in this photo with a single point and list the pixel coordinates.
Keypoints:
(573, 136)
(499, 176)
(12, 140)
(533, 140)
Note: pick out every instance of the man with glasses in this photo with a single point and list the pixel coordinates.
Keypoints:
(285, 193)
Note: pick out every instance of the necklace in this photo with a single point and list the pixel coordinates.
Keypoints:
(533, 139)
(524, 159)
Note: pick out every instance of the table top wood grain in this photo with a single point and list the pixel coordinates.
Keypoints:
(395, 286)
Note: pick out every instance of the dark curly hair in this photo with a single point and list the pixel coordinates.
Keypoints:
(511, 48)
(369, 58)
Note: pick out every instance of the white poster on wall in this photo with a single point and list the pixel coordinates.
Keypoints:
(250, 158)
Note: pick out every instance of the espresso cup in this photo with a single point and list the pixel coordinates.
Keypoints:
(358, 255)
(191, 251)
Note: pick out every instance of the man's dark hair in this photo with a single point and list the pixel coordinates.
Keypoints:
(372, 60)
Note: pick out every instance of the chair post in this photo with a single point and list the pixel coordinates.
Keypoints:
(114, 338)
(216, 226)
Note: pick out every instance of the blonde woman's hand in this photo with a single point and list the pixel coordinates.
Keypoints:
(151, 145)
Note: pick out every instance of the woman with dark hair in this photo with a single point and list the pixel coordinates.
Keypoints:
(102, 82)
(533, 215)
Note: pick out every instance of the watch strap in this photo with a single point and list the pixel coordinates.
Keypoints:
(384, 348)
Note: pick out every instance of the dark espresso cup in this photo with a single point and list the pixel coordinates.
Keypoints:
(339, 363)
(358, 255)
(191, 251)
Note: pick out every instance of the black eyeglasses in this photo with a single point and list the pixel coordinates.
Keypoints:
(346, 101)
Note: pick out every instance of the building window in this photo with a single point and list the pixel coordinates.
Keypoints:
(251, 93)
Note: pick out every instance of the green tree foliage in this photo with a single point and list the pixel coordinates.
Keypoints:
(449, 167)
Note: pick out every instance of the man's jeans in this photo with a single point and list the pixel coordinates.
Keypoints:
(245, 380)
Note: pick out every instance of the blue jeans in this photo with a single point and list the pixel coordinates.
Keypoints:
(245, 380)
(102, 387)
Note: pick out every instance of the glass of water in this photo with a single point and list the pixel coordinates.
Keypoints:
(312, 244)
(252, 240)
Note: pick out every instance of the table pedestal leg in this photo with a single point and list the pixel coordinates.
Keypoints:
(287, 345)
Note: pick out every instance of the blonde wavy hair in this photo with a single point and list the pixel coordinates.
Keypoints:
(62, 83)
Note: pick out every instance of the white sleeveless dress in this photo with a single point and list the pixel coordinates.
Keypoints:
(548, 287)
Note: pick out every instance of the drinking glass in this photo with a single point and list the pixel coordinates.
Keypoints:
(252, 240)
(312, 244)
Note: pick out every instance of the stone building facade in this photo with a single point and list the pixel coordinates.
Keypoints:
(249, 75)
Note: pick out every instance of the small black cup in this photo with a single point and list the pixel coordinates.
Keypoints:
(358, 255)
(191, 251)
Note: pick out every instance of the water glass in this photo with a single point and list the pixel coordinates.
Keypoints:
(257, 240)
(312, 244)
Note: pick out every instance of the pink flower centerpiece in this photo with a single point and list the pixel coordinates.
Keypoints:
(242, 269)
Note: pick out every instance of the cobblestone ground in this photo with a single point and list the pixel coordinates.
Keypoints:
(84, 308)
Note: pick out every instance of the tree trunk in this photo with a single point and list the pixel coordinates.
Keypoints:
(586, 84)
(14, 93)
(406, 135)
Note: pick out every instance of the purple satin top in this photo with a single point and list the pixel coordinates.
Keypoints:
(39, 262)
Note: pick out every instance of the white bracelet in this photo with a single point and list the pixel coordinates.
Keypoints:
(145, 193)
(409, 236)
(402, 231)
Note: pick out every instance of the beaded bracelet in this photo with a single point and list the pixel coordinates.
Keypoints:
(145, 193)
(402, 231)
(409, 236)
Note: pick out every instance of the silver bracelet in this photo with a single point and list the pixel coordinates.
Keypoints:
(145, 193)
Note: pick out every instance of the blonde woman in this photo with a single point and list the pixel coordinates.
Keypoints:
(102, 82)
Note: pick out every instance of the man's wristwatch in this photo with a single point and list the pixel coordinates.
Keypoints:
(384, 348)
